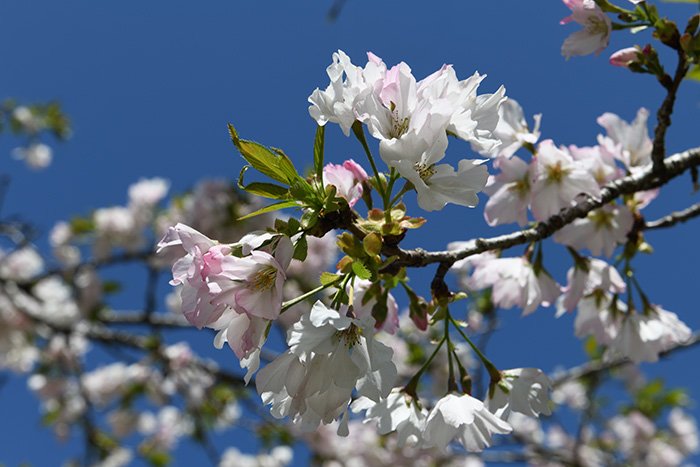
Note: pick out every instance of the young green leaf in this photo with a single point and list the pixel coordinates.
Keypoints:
(275, 165)
(361, 270)
(267, 190)
(301, 249)
(270, 208)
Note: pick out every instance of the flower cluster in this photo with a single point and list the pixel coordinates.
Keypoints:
(412, 119)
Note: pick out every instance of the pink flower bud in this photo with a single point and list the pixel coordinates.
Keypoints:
(624, 57)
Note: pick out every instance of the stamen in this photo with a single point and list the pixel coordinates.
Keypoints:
(555, 173)
(424, 171)
(350, 336)
(264, 279)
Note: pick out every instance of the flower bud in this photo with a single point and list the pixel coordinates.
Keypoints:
(624, 57)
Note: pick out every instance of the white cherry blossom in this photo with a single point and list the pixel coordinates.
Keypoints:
(627, 142)
(509, 192)
(522, 390)
(330, 355)
(558, 181)
(465, 419)
(514, 282)
(513, 130)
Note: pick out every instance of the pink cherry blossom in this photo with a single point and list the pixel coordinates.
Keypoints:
(624, 57)
(347, 179)
(594, 36)
(254, 284)
(196, 271)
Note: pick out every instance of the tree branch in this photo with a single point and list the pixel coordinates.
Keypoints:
(643, 180)
(663, 115)
(673, 218)
(591, 368)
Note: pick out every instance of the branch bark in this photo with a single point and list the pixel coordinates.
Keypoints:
(643, 180)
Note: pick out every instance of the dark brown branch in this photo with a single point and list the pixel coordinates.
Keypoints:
(663, 115)
(643, 180)
(674, 218)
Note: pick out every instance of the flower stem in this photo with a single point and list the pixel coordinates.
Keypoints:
(360, 135)
(410, 387)
(451, 383)
(288, 304)
(490, 367)
(406, 188)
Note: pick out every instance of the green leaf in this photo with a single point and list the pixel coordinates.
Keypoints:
(328, 278)
(694, 73)
(301, 249)
(81, 225)
(303, 191)
(275, 165)
(285, 165)
(267, 190)
(158, 458)
(361, 270)
(372, 244)
(270, 208)
(110, 287)
(318, 151)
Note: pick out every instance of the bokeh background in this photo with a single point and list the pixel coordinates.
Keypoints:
(150, 86)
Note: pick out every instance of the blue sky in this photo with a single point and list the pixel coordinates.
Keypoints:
(150, 87)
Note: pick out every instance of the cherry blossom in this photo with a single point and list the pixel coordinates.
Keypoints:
(642, 337)
(329, 355)
(600, 231)
(514, 282)
(624, 57)
(396, 413)
(37, 155)
(594, 36)
(522, 390)
(254, 283)
(591, 276)
(509, 192)
(558, 181)
(440, 184)
(627, 142)
(195, 271)
(347, 178)
(512, 128)
(463, 418)
(349, 84)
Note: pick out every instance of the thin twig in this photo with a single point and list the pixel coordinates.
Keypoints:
(591, 368)
(674, 218)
